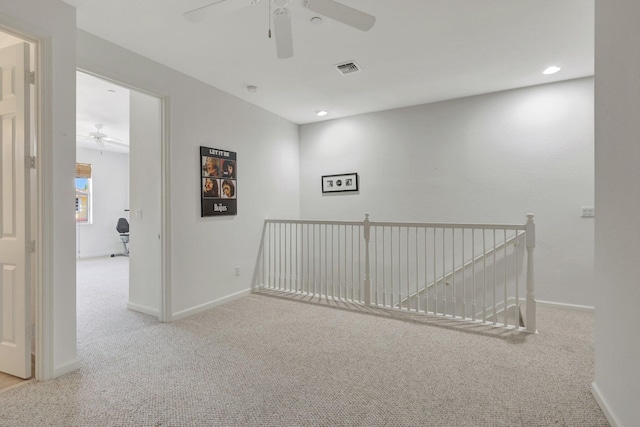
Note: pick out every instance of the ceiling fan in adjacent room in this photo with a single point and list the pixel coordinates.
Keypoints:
(282, 18)
(102, 138)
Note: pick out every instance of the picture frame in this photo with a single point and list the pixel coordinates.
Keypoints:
(340, 183)
(218, 182)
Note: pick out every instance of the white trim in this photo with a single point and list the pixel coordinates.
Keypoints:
(565, 306)
(44, 215)
(142, 309)
(70, 366)
(204, 307)
(100, 255)
(602, 402)
(165, 212)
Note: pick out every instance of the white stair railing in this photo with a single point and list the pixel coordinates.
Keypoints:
(514, 241)
(461, 271)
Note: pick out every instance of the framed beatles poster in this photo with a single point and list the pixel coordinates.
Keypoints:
(218, 182)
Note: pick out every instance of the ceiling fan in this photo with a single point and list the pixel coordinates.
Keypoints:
(282, 18)
(102, 138)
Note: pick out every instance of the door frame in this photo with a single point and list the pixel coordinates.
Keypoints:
(164, 314)
(42, 283)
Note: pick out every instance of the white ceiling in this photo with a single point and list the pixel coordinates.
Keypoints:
(418, 51)
(101, 102)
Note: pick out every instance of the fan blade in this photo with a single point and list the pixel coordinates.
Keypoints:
(115, 142)
(221, 7)
(97, 135)
(345, 14)
(282, 29)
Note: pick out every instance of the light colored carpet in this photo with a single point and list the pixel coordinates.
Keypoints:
(265, 360)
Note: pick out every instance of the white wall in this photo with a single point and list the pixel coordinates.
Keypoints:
(53, 23)
(205, 251)
(490, 158)
(617, 150)
(110, 185)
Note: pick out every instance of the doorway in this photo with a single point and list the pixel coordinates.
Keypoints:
(119, 143)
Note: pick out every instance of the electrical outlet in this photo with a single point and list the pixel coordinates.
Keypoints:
(588, 211)
(237, 271)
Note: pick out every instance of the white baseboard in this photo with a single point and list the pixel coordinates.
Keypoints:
(142, 309)
(65, 368)
(597, 394)
(203, 307)
(98, 255)
(565, 306)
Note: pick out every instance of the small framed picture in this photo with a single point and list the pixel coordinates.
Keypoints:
(340, 183)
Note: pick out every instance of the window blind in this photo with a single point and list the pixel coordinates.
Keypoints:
(83, 170)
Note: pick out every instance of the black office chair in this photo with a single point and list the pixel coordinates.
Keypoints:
(122, 227)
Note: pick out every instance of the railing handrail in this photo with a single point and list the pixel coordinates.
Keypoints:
(311, 222)
(476, 226)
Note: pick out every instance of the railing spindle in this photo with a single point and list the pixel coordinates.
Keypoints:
(484, 276)
(384, 283)
(426, 274)
(495, 269)
(464, 282)
(453, 268)
(393, 262)
(360, 296)
(417, 278)
(517, 273)
(352, 268)
(391, 257)
(367, 270)
(444, 270)
(435, 275)
(506, 297)
(473, 273)
(313, 260)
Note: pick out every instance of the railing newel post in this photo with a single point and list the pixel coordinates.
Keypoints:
(367, 267)
(530, 230)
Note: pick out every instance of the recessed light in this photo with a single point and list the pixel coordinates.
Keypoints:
(321, 113)
(551, 70)
(252, 89)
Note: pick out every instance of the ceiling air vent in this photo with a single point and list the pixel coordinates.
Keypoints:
(348, 68)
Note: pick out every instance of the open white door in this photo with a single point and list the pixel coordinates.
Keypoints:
(15, 250)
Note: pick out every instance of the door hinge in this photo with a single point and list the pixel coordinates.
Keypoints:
(31, 246)
(31, 77)
(30, 162)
